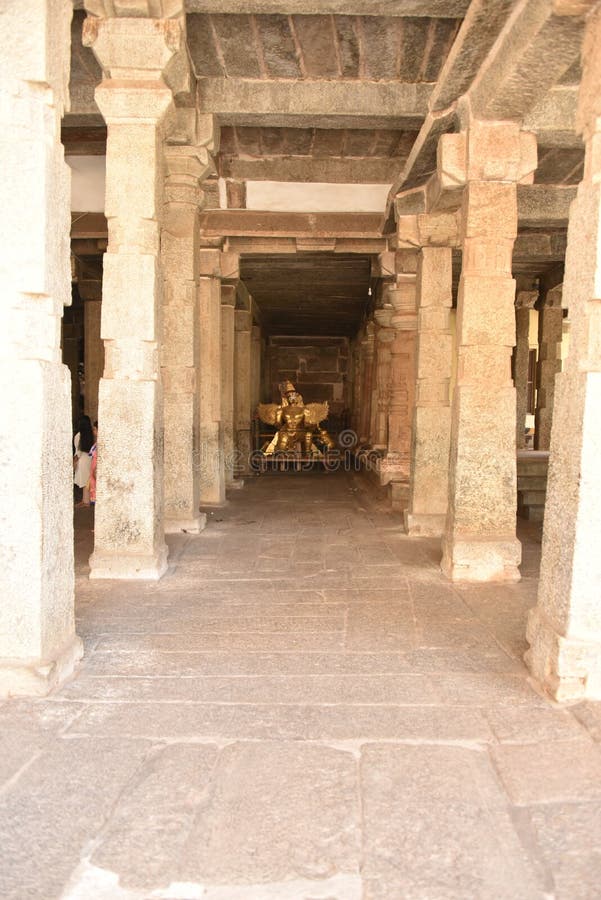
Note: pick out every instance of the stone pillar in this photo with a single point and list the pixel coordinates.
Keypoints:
(564, 629)
(255, 350)
(38, 644)
(367, 364)
(71, 342)
(523, 304)
(384, 336)
(93, 356)
(185, 167)
(479, 542)
(228, 305)
(242, 388)
(550, 325)
(429, 482)
(129, 533)
(394, 467)
(211, 456)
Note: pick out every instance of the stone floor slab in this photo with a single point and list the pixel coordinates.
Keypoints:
(209, 744)
(436, 825)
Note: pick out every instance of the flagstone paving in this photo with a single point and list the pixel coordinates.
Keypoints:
(303, 708)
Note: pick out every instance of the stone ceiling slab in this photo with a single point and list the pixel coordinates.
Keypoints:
(426, 8)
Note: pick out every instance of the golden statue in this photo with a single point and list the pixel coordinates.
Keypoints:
(298, 423)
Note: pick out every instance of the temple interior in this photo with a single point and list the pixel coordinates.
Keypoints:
(323, 619)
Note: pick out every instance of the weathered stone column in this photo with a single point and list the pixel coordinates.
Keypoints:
(394, 467)
(242, 380)
(429, 481)
(384, 336)
(367, 365)
(228, 304)
(211, 456)
(479, 542)
(185, 167)
(134, 100)
(38, 644)
(564, 629)
(255, 350)
(550, 325)
(523, 303)
(93, 356)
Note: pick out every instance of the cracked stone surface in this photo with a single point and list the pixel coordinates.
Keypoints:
(303, 708)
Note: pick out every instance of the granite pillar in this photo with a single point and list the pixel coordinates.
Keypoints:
(211, 456)
(429, 479)
(129, 531)
(242, 390)
(550, 327)
(93, 356)
(564, 628)
(185, 167)
(480, 543)
(228, 305)
(521, 357)
(38, 644)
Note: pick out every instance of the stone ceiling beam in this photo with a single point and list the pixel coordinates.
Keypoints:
(553, 119)
(480, 28)
(307, 169)
(425, 8)
(533, 51)
(544, 205)
(288, 100)
(248, 223)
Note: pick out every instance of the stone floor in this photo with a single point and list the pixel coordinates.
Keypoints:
(302, 709)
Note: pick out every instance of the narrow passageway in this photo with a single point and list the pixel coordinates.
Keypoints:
(301, 708)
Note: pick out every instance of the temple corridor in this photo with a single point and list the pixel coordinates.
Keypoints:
(303, 707)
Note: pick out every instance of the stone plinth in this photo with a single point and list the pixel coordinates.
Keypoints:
(429, 482)
(129, 530)
(211, 456)
(242, 390)
(38, 644)
(479, 543)
(564, 629)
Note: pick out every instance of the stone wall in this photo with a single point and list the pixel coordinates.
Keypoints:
(317, 366)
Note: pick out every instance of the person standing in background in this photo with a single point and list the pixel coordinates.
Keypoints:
(82, 444)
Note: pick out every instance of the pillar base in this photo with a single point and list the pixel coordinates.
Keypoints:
(209, 504)
(479, 559)
(187, 526)
(132, 566)
(566, 668)
(36, 678)
(399, 495)
(424, 524)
